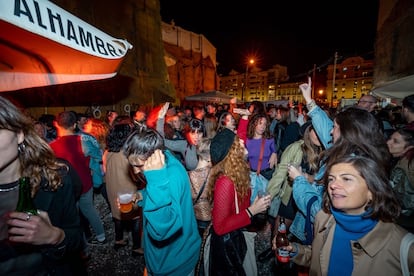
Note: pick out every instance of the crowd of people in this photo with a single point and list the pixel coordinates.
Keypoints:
(343, 181)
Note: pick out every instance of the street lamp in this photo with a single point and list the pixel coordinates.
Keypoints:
(251, 61)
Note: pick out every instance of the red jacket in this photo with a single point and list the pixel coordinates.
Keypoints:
(224, 215)
(70, 148)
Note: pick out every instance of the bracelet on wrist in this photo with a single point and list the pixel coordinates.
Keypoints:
(311, 105)
(249, 212)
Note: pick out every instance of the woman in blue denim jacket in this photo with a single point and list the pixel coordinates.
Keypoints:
(353, 130)
(303, 191)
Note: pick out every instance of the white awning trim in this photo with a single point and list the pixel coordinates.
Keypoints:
(50, 21)
(16, 81)
(396, 89)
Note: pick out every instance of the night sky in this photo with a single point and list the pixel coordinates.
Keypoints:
(296, 34)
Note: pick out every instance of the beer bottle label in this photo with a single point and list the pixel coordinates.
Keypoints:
(282, 255)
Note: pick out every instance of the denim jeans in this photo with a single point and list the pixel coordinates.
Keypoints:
(89, 211)
(133, 226)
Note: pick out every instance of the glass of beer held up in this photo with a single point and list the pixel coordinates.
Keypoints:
(125, 202)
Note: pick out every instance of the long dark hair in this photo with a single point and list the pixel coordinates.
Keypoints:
(117, 136)
(360, 134)
(408, 136)
(254, 121)
(258, 107)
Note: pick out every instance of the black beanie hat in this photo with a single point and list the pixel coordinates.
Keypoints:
(220, 145)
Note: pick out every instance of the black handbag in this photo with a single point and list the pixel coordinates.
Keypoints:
(227, 253)
(267, 173)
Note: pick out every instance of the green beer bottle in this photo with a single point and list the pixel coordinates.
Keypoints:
(25, 203)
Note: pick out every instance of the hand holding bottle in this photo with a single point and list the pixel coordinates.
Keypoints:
(28, 224)
(33, 229)
(281, 243)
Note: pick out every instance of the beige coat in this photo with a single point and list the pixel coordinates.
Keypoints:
(377, 253)
(118, 179)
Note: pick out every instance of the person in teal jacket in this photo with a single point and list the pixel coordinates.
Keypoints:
(171, 240)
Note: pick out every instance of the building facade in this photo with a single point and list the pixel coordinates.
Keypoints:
(190, 60)
(353, 78)
(255, 84)
(349, 79)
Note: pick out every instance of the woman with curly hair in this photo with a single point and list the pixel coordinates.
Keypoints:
(47, 243)
(229, 188)
(261, 161)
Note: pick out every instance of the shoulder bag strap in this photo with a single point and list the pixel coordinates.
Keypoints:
(308, 223)
(202, 188)
(404, 247)
(236, 201)
(259, 164)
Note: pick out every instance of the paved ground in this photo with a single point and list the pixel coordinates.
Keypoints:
(105, 260)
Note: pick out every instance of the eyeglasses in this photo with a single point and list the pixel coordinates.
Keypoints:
(363, 102)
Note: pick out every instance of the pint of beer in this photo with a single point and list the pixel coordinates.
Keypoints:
(125, 202)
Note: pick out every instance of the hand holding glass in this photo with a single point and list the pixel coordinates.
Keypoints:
(125, 202)
(294, 170)
(263, 193)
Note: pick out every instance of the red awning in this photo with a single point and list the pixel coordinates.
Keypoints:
(41, 44)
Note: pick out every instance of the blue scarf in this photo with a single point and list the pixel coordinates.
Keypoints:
(348, 228)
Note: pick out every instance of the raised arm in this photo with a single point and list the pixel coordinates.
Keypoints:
(320, 120)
